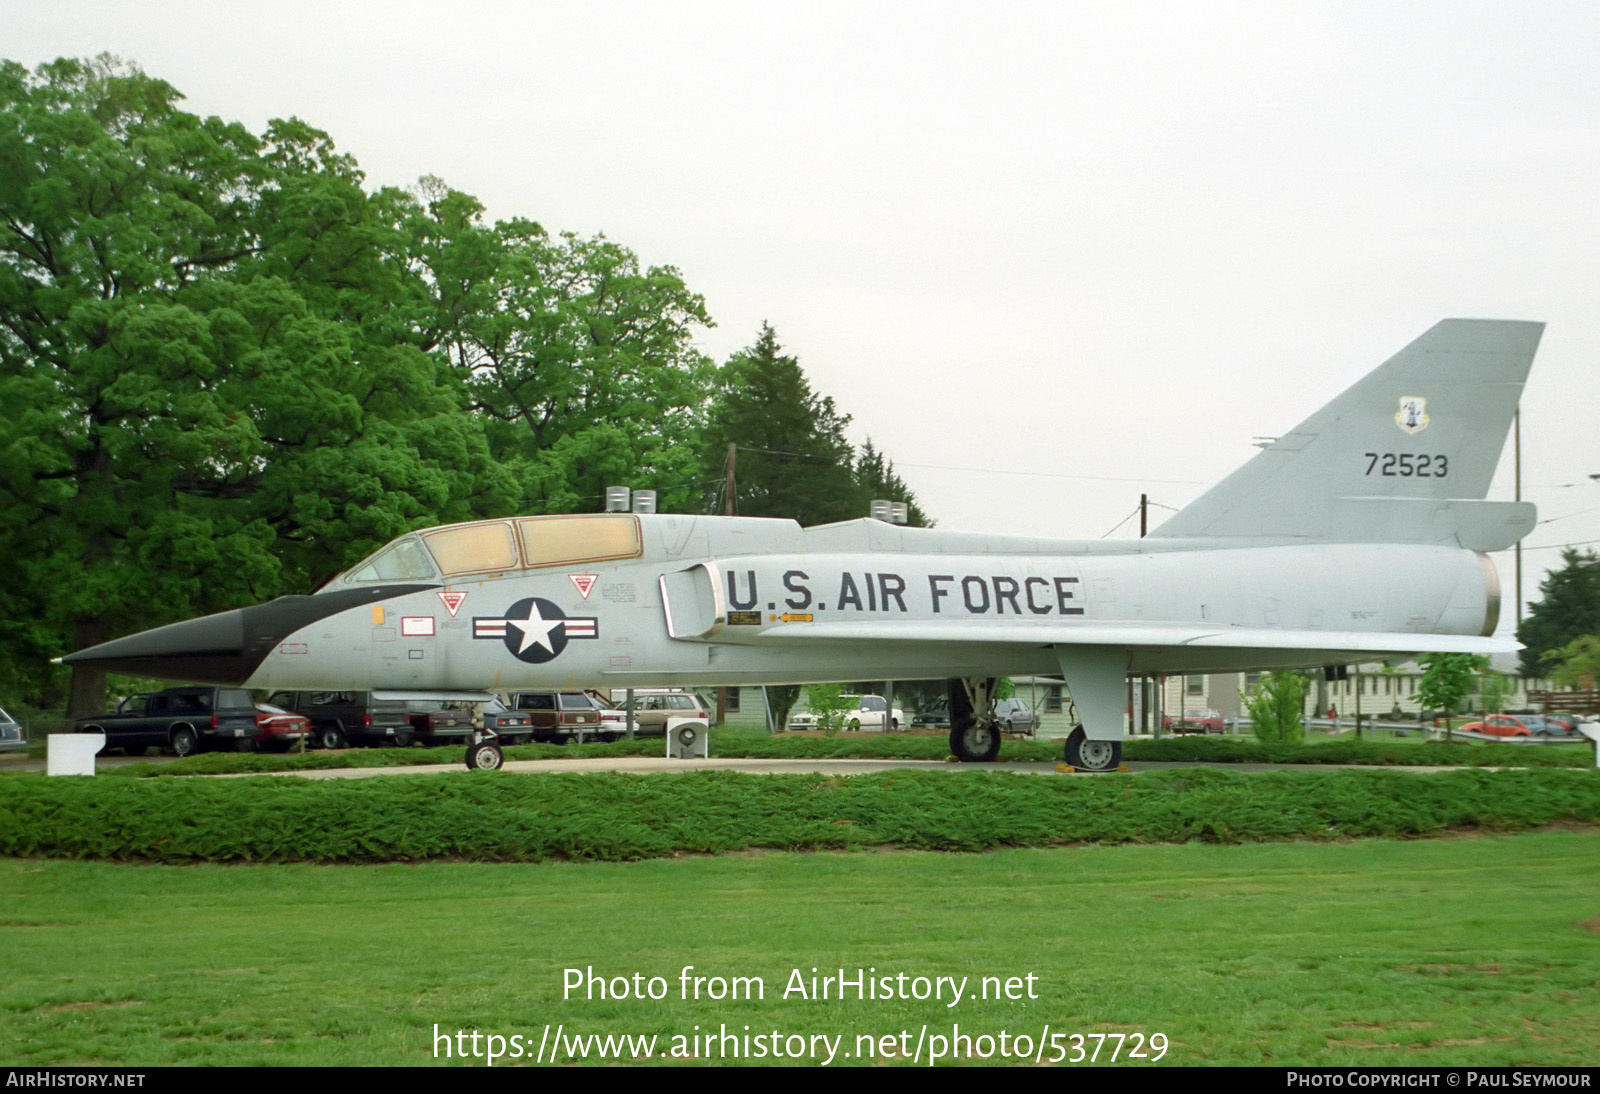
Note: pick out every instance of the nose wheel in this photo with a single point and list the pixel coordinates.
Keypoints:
(485, 755)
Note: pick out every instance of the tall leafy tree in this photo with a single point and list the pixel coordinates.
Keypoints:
(199, 404)
(1569, 609)
(876, 478)
(579, 361)
(793, 458)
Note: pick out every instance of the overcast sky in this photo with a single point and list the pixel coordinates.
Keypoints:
(1047, 255)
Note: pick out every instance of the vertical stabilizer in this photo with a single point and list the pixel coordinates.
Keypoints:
(1406, 455)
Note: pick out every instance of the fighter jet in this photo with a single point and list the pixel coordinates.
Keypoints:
(1361, 534)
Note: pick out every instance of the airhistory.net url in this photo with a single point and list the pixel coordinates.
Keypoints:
(558, 1046)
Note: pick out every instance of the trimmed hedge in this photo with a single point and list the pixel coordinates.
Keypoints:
(505, 817)
(741, 744)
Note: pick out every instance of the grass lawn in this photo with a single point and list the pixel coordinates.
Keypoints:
(1472, 950)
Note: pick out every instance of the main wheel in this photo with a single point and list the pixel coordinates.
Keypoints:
(184, 742)
(972, 743)
(1087, 755)
(485, 756)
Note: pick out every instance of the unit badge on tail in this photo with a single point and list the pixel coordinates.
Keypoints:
(534, 629)
(1413, 415)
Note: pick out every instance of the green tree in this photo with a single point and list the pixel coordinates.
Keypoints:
(781, 699)
(193, 413)
(793, 457)
(1577, 664)
(1276, 707)
(1568, 609)
(1494, 688)
(827, 702)
(1447, 681)
(876, 478)
(580, 361)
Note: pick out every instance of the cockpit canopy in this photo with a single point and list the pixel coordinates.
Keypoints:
(495, 547)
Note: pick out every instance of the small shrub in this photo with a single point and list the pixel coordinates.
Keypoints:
(1275, 707)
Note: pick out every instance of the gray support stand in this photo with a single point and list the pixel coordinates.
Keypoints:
(1096, 677)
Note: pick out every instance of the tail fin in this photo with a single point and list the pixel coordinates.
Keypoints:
(1404, 456)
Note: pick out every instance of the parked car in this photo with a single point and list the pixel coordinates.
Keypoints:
(11, 737)
(652, 708)
(864, 712)
(936, 713)
(433, 723)
(1199, 720)
(513, 727)
(281, 729)
(1503, 725)
(341, 718)
(180, 720)
(557, 716)
(1015, 716)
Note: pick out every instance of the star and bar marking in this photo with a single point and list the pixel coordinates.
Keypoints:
(534, 629)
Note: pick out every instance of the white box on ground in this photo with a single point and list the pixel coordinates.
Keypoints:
(72, 753)
(1591, 730)
(688, 738)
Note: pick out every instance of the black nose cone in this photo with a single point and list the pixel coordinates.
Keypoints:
(228, 647)
(208, 650)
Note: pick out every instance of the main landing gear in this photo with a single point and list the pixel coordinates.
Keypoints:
(974, 736)
(1087, 755)
(1094, 675)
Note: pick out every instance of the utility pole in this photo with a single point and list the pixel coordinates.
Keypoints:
(727, 510)
(1145, 683)
(1516, 448)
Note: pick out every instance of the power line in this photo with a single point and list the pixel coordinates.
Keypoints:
(1559, 546)
(1123, 521)
(1052, 474)
(526, 502)
(1564, 516)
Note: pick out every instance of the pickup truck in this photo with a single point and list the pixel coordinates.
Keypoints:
(179, 720)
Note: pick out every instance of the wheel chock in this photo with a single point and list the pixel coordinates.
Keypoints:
(1068, 769)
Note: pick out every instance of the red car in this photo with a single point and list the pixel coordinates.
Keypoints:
(1500, 725)
(1194, 721)
(280, 729)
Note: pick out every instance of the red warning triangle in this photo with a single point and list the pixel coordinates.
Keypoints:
(584, 582)
(452, 601)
